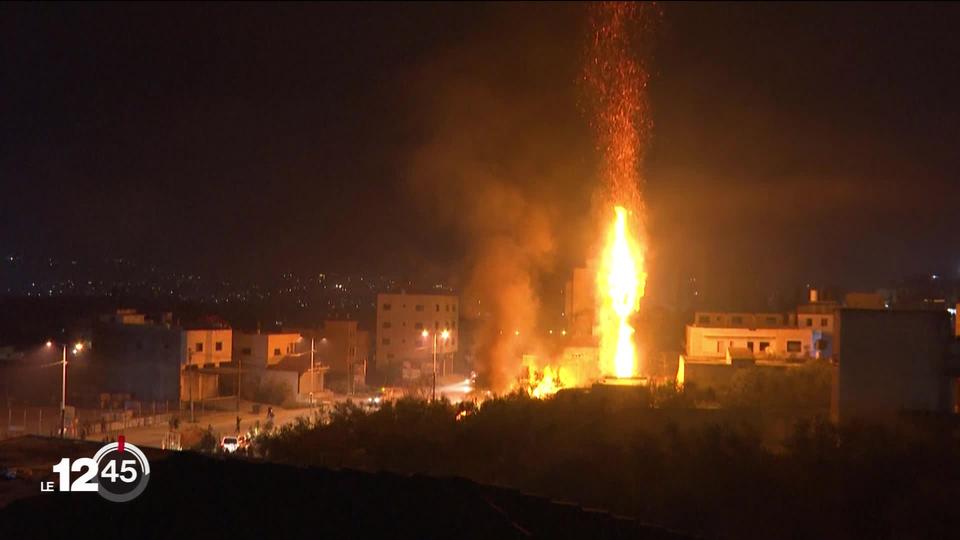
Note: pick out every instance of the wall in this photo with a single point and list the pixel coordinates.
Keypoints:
(893, 361)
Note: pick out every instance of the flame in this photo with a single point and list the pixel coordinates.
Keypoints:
(621, 282)
(548, 381)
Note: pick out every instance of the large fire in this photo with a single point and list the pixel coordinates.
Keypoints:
(616, 76)
(621, 282)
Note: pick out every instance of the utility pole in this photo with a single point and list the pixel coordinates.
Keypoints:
(190, 382)
(63, 394)
(239, 378)
(313, 373)
(434, 398)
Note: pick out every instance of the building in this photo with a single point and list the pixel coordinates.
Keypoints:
(894, 361)
(346, 349)
(206, 346)
(580, 304)
(136, 356)
(262, 350)
(715, 343)
(402, 320)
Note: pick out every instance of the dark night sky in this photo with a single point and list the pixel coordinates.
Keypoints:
(793, 143)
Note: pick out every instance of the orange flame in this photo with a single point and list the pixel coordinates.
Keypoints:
(621, 283)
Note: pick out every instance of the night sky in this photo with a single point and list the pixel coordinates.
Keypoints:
(792, 143)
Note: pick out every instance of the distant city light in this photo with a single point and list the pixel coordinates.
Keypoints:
(49, 343)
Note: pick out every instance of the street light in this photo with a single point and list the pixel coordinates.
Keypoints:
(63, 383)
(445, 335)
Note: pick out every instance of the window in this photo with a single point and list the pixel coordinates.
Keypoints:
(809, 321)
(385, 341)
(218, 346)
(386, 307)
(823, 322)
(276, 352)
(419, 307)
(453, 325)
(750, 345)
(438, 308)
(199, 347)
(703, 319)
(454, 308)
(764, 345)
(718, 346)
(793, 346)
(389, 356)
(446, 307)
(246, 351)
(771, 320)
(418, 326)
(387, 324)
(736, 319)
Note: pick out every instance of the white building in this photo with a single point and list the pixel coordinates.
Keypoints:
(713, 343)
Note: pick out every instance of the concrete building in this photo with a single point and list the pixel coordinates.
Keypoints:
(402, 319)
(206, 346)
(262, 350)
(715, 343)
(136, 356)
(892, 361)
(580, 304)
(346, 349)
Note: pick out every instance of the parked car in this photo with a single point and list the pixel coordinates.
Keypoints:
(229, 444)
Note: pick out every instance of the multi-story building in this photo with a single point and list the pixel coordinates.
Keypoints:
(346, 349)
(206, 346)
(716, 343)
(579, 299)
(262, 350)
(136, 356)
(410, 329)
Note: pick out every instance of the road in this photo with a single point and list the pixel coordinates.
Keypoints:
(223, 423)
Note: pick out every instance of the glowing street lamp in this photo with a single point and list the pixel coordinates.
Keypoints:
(77, 348)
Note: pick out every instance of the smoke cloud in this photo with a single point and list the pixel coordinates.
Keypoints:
(504, 167)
